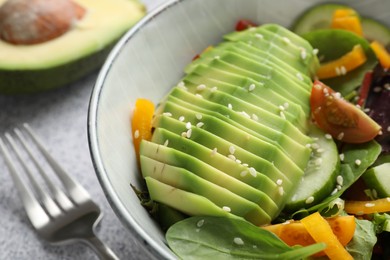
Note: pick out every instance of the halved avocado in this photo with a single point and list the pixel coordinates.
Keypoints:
(65, 59)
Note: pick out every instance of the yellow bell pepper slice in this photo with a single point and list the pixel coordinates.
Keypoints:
(381, 53)
(367, 207)
(341, 66)
(320, 231)
(347, 19)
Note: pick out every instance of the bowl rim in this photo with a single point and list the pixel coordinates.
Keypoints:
(127, 219)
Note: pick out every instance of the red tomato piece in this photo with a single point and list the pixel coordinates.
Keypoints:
(338, 117)
(244, 24)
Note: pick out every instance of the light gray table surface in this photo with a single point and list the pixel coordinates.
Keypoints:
(60, 118)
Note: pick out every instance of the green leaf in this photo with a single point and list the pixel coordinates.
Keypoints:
(225, 238)
(363, 240)
(366, 153)
(334, 43)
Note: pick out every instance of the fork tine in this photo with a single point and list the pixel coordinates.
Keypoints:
(77, 193)
(50, 206)
(35, 212)
(62, 200)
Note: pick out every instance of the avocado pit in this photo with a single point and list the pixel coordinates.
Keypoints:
(26, 22)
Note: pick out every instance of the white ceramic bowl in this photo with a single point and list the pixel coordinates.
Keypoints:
(146, 63)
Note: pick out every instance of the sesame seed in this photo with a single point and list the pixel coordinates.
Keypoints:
(167, 114)
(214, 89)
(136, 134)
(358, 162)
(308, 145)
(198, 95)
(303, 54)
(199, 124)
(318, 161)
(184, 134)
(286, 40)
(232, 157)
(388, 129)
(181, 118)
(188, 125)
(341, 157)
(238, 241)
(166, 142)
(377, 89)
(338, 72)
(388, 199)
(232, 149)
(181, 85)
(214, 151)
(315, 51)
(338, 187)
(358, 106)
(217, 57)
(286, 105)
(259, 36)
(256, 118)
(343, 70)
(337, 95)
(243, 173)
(309, 200)
(279, 182)
(189, 132)
(369, 205)
(238, 161)
(315, 146)
(281, 190)
(252, 171)
(198, 116)
(245, 164)
(230, 106)
(251, 87)
(380, 132)
(340, 136)
(226, 208)
(340, 180)
(334, 192)
(201, 87)
(281, 108)
(245, 114)
(328, 136)
(387, 86)
(200, 223)
(320, 150)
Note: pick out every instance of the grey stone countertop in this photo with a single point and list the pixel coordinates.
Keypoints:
(59, 117)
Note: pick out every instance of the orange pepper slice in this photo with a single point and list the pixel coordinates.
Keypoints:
(141, 122)
(381, 53)
(339, 67)
(368, 206)
(347, 19)
(320, 231)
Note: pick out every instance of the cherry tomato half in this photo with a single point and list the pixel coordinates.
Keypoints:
(338, 117)
(243, 24)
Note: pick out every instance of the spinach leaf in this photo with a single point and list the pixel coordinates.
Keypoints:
(226, 238)
(366, 153)
(363, 240)
(334, 43)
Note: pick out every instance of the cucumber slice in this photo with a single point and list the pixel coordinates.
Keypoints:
(378, 178)
(319, 178)
(317, 17)
(320, 17)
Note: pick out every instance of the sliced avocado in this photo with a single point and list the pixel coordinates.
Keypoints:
(292, 95)
(252, 143)
(320, 177)
(265, 88)
(182, 179)
(177, 158)
(277, 139)
(378, 178)
(246, 50)
(186, 202)
(57, 62)
(291, 111)
(243, 108)
(271, 129)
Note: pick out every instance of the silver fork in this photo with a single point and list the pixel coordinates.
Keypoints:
(58, 216)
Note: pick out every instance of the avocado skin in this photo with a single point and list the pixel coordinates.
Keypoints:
(16, 82)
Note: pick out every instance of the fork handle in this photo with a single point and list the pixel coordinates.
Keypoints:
(101, 249)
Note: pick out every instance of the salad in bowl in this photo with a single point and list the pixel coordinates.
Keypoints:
(273, 144)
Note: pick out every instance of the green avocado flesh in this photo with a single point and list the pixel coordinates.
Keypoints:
(67, 58)
(232, 138)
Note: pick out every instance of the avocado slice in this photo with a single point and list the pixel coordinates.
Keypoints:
(187, 181)
(256, 113)
(177, 158)
(55, 63)
(291, 111)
